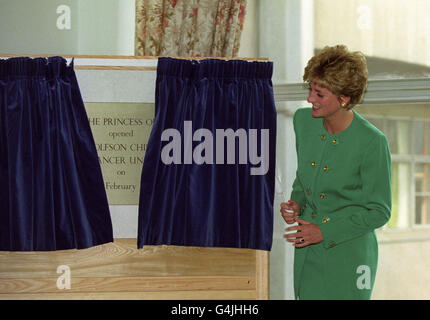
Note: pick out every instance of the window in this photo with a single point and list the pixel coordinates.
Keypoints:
(407, 127)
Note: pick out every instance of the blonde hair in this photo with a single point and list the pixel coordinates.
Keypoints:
(342, 72)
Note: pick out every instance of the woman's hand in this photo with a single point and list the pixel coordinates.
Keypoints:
(307, 233)
(290, 210)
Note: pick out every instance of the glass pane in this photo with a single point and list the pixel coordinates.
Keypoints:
(393, 34)
(422, 210)
(422, 138)
(398, 135)
(401, 195)
(422, 178)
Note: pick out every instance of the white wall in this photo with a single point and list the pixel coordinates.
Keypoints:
(106, 27)
(30, 27)
(96, 27)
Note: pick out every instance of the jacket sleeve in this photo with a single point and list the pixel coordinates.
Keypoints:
(297, 194)
(375, 209)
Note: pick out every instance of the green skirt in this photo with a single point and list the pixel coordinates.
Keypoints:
(346, 271)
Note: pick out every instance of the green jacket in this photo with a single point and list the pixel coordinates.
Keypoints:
(343, 184)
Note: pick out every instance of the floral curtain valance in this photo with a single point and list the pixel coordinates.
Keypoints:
(210, 28)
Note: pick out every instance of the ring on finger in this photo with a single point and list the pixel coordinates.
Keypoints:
(302, 240)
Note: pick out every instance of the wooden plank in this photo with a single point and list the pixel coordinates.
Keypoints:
(122, 259)
(115, 68)
(262, 274)
(83, 56)
(153, 295)
(125, 284)
(121, 271)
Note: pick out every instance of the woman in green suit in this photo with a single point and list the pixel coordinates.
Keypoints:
(342, 190)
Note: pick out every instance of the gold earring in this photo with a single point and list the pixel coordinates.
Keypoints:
(343, 104)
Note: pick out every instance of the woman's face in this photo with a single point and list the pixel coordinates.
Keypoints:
(324, 102)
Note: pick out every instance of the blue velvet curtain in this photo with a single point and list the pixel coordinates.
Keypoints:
(52, 195)
(197, 188)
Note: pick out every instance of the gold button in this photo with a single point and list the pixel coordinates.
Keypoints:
(313, 215)
(322, 137)
(308, 191)
(322, 195)
(332, 244)
(313, 164)
(334, 141)
(325, 220)
(325, 168)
